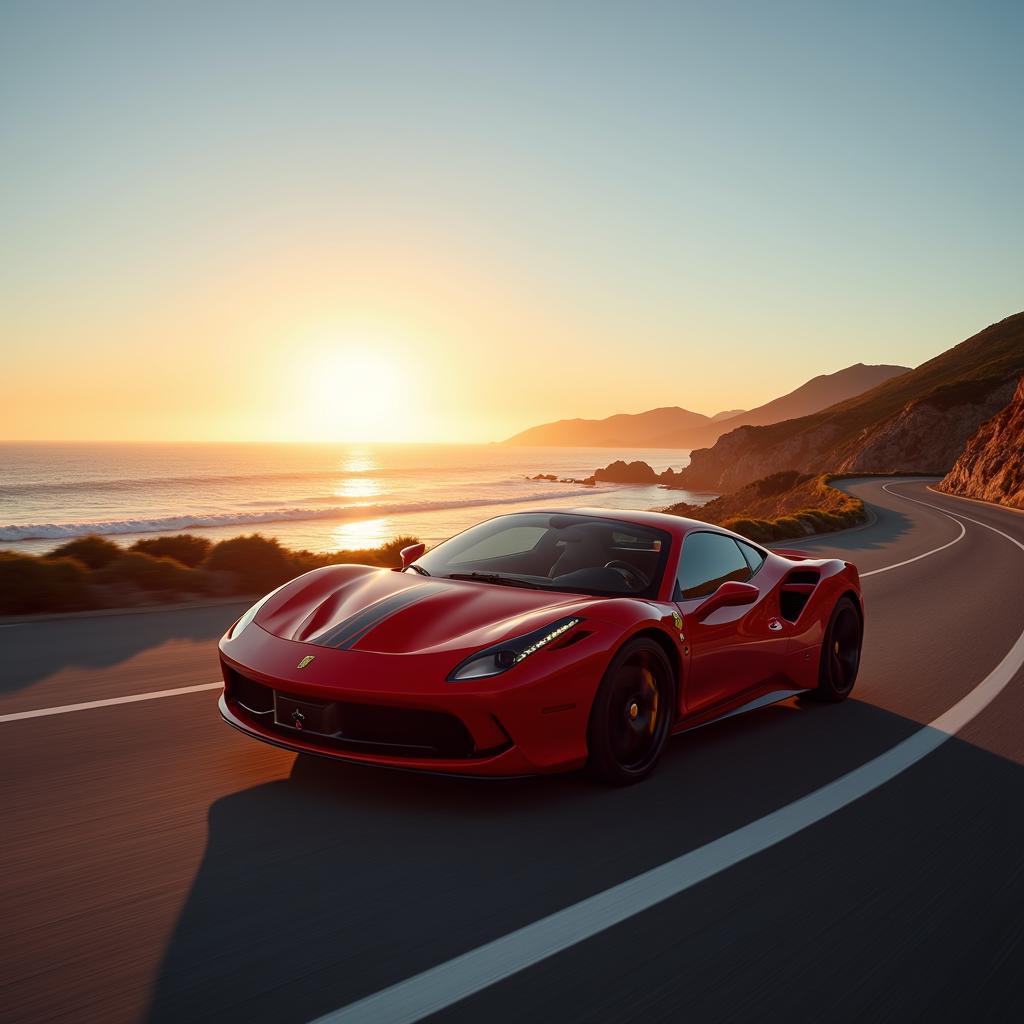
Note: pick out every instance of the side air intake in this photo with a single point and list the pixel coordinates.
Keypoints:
(795, 592)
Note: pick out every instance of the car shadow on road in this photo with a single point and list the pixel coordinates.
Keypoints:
(36, 650)
(341, 880)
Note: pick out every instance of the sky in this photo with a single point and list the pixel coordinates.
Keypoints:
(442, 221)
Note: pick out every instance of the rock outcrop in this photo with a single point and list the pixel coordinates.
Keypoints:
(620, 472)
(991, 466)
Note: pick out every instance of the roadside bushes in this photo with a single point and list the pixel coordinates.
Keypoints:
(257, 563)
(801, 524)
(30, 584)
(182, 547)
(781, 506)
(104, 575)
(388, 555)
(94, 552)
(137, 569)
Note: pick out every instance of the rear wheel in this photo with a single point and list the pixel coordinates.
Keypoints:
(840, 653)
(632, 714)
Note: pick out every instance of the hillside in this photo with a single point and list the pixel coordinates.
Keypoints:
(818, 393)
(991, 466)
(673, 427)
(917, 422)
(787, 504)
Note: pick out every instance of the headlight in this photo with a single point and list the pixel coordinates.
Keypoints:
(236, 629)
(492, 661)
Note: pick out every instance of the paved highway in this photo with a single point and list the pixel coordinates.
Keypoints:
(156, 865)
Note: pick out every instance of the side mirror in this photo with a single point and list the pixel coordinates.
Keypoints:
(730, 594)
(411, 553)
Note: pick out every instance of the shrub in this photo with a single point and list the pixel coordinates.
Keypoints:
(790, 526)
(258, 563)
(93, 551)
(253, 564)
(138, 569)
(759, 530)
(30, 584)
(182, 547)
(777, 483)
(390, 554)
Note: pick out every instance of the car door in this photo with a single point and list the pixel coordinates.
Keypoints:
(734, 649)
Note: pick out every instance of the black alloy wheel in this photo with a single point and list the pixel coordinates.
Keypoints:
(632, 714)
(840, 653)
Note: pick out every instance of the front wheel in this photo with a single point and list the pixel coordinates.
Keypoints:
(840, 654)
(632, 714)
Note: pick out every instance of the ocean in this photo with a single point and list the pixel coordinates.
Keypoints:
(317, 496)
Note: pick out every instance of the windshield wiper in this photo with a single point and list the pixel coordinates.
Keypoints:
(493, 577)
(417, 568)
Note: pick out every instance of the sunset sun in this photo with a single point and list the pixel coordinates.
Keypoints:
(351, 392)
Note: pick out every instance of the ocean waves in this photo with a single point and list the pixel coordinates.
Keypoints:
(175, 523)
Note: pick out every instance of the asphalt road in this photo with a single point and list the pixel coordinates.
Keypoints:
(155, 865)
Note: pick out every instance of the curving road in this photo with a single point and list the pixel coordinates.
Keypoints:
(155, 865)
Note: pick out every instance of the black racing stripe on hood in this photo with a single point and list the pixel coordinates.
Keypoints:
(347, 633)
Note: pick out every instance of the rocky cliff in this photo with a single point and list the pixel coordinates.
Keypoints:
(918, 422)
(991, 466)
(926, 436)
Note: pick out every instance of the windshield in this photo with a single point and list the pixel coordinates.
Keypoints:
(561, 551)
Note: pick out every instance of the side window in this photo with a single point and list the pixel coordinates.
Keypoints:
(755, 558)
(708, 561)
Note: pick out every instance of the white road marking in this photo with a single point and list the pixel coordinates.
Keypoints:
(133, 698)
(447, 983)
(917, 558)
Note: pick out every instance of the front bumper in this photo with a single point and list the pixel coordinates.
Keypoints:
(507, 763)
(530, 721)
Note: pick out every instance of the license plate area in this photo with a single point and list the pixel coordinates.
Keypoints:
(312, 716)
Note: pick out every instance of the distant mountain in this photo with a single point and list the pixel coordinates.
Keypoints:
(673, 427)
(991, 466)
(625, 430)
(916, 422)
(817, 394)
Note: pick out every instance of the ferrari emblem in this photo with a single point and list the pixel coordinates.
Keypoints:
(306, 660)
(678, 620)
(298, 718)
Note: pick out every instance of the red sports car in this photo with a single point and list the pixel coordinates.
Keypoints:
(541, 642)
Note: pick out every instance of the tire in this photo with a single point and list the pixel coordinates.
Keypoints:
(632, 714)
(840, 654)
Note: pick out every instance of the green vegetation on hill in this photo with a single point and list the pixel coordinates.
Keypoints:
(93, 572)
(780, 507)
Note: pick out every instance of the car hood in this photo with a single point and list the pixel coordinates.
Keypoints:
(386, 612)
